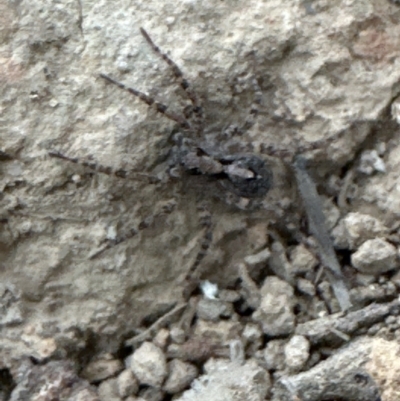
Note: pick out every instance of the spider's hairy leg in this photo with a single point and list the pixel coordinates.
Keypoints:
(120, 173)
(160, 107)
(183, 82)
(192, 275)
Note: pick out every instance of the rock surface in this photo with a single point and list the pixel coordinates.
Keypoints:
(328, 73)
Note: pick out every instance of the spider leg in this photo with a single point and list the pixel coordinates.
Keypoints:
(120, 173)
(197, 109)
(192, 275)
(160, 107)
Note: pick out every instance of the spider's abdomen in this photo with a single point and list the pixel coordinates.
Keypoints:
(248, 175)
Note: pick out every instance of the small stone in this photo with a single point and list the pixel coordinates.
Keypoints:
(260, 257)
(302, 260)
(252, 334)
(127, 383)
(359, 228)
(108, 390)
(275, 313)
(225, 380)
(365, 279)
(219, 332)
(102, 369)
(297, 352)
(306, 287)
(274, 355)
(181, 374)
(149, 365)
(371, 162)
(151, 394)
(177, 335)
(212, 309)
(161, 338)
(375, 256)
(339, 236)
(229, 296)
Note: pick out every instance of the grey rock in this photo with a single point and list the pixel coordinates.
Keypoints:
(297, 352)
(102, 369)
(302, 260)
(212, 309)
(181, 374)
(275, 313)
(224, 380)
(274, 355)
(108, 390)
(149, 365)
(127, 383)
(375, 256)
(361, 227)
(306, 287)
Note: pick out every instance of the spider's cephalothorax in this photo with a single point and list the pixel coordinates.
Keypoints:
(246, 175)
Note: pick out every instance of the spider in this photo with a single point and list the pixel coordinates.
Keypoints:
(244, 175)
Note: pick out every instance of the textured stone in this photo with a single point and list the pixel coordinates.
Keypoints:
(181, 374)
(375, 256)
(127, 383)
(102, 369)
(302, 260)
(362, 227)
(275, 313)
(297, 352)
(149, 365)
(108, 390)
(225, 380)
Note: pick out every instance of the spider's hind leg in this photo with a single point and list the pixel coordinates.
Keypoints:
(120, 173)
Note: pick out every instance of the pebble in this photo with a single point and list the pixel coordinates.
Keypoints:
(252, 336)
(306, 287)
(274, 355)
(260, 257)
(275, 313)
(181, 374)
(302, 260)
(108, 390)
(177, 335)
(212, 309)
(226, 380)
(151, 394)
(149, 365)
(297, 352)
(375, 256)
(359, 227)
(101, 369)
(127, 383)
(161, 338)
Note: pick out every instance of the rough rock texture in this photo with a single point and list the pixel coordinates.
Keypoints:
(375, 256)
(328, 72)
(275, 313)
(224, 380)
(355, 372)
(149, 365)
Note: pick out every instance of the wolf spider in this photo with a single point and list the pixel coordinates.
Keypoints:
(244, 175)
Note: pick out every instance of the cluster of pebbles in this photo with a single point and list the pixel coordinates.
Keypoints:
(274, 341)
